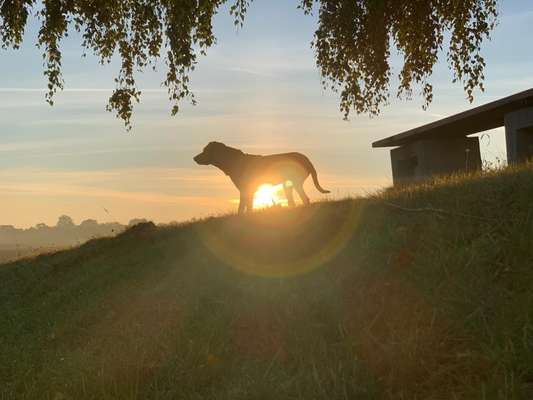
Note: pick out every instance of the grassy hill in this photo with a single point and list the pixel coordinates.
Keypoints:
(425, 293)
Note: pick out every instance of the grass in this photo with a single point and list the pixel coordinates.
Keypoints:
(420, 293)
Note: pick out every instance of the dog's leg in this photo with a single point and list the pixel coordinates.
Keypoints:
(288, 194)
(250, 203)
(299, 188)
(242, 203)
(246, 202)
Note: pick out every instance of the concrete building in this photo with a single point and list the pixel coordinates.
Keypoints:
(444, 146)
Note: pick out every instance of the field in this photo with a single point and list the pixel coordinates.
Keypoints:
(421, 293)
(11, 253)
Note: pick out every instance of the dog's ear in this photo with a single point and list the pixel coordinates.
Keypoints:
(214, 145)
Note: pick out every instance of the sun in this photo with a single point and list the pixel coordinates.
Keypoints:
(267, 196)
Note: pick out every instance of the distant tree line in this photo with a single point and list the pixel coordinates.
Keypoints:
(17, 242)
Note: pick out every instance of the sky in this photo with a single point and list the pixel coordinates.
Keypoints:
(258, 89)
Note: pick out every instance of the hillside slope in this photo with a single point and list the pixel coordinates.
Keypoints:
(424, 293)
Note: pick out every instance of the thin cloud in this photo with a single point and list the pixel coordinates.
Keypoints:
(81, 191)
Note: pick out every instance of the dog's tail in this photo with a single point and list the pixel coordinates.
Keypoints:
(314, 175)
(315, 181)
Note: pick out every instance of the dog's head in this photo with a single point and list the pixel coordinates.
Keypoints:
(210, 154)
(214, 153)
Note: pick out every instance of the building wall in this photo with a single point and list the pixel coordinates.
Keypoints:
(424, 158)
(519, 135)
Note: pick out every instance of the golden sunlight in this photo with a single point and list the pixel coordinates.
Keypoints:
(267, 196)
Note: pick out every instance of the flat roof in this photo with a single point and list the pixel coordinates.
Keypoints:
(475, 120)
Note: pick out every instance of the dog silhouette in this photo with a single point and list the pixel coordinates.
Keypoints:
(249, 171)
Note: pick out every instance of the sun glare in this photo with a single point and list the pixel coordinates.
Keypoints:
(267, 196)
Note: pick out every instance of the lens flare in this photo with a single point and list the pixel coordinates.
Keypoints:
(282, 243)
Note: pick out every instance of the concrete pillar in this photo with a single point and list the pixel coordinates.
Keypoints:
(424, 158)
(519, 135)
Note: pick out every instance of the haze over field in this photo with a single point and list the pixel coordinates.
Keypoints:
(258, 89)
(19, 242)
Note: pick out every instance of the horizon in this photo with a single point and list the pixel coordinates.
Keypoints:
(258, 89)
